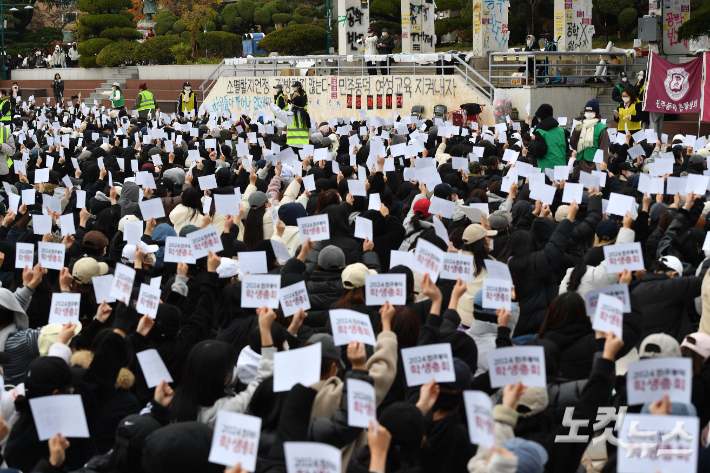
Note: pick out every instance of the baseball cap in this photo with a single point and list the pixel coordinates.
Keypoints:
(258, 199)
(696, 159)
(133, 430)
(354, 275)
(95, 240)
(607, 230)
(443, 191)
(625, 166)
(533, 401)
(678, 138)
(463, 376)
(673, 263)
(562, 212)
(475, 232)
(699, 343)
(49, 335)
(422, 206)
(328, 348)
(499, 220)
(331, 257)
(659, 345)
(87, 268)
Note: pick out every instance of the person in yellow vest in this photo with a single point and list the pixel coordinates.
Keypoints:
(7, 148)
(297, 131)
(5, 108)
(280, 99)
(187, 100)
(145, 102)
(549, 141)
(628, 114)
(589, 136)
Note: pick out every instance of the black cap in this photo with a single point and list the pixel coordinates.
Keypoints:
(133, 430)
(186, 84)
(297, 84)
(45, 374)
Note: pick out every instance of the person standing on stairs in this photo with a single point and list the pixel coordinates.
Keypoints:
(116, 97)
(187, 100)
(58, 90)
(74, 56)
(144, 102)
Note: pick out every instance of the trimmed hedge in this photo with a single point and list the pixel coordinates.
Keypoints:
(121, 33)
(295, 40)
(116, 54)
(262, 17)
(210, 26)
(91, 6)
(179, 27)
(87, 61)
(93, 46)
(281, 18)
(106, 20)
(182, 52)
(157, 48)
(246, 9)
(628, 17)
(225, 44)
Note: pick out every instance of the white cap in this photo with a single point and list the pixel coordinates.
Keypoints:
(673, 263)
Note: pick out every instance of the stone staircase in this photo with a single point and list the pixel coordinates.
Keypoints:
(122, 74)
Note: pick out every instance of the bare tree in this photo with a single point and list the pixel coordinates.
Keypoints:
(530, 7)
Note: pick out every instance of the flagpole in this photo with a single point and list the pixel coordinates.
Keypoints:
(702, 95)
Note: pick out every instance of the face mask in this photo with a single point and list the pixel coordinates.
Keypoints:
(590, 115)
(626, 99)
(624, 79)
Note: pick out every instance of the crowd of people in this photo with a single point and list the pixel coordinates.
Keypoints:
(91, 171)
(61, 56)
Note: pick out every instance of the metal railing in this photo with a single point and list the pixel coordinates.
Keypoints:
(355, 65)
(552, 67)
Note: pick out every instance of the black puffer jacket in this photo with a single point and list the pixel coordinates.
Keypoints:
(540, 286)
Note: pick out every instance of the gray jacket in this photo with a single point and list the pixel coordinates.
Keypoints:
(8, 148)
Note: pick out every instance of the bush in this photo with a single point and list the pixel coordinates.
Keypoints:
(91, 6)
(225, 28)
(185, 36)
(279, 6)
(301, 20)
(219, 42)
(304, 10)
(628, 17)
(165, 24)
(268, 30)
(246, 10)
(292, 23)
(262, 17)
(93, 46)
(179, 27)
(210, 26)
(295, 40)
(106, 20)
(182, 52)
(281, 18)
(87, 61)
(121, 33)
(116, 54)
(157, 48)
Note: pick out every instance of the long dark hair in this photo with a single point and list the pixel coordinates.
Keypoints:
(350, 298)
(207, 372)
(267, 405)
(254, 227)
(405, 325)
(580, 269)
(191, 200)
(326, 199)
(565, 309)
(480, 254)
(516, 254)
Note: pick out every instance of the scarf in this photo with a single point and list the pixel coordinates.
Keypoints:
(586, 135)
(186, 96)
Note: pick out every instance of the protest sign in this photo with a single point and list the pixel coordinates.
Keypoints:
(609, 315)
(348, 325)
(64, 308)
(381, 288)
(60, 413)
(148, 300)
(512, 364)
(623, 256)
(427, 362)
(362, 403)
(294, 298)
(479, 412)
(259, 290)
(316, 228)
(235, 440)
(650, 379)
(301, 365)
(153, 368)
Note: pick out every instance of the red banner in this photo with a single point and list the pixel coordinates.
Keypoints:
(673, 88)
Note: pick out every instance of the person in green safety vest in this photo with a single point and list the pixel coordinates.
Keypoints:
(280, 99)
(187, 101)
(549, 141)
(589, 136)
(7, 148)
(5, 108)
(297, 131)
(145, 102)
(619, 88)
(117, 97)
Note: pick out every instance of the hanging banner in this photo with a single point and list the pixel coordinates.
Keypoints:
(673, 88)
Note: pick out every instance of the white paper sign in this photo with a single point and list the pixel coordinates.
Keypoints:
(572, 192)
(512, 364)
(24, 255)
(226, 204)
(152, 208)
(252, 261)
(445, 208)
(496, 294)
(427, 362)
(61, 413)
(122, 285)
(362, 403)
(207, 182)
(178, 249)
(427, 259)
(623, 256)
(666, 456)
(609, 315)
(64, 308)
(317, 228)
(41, 224)
(350, 325)
(235, 440)
(363, 228)
(205, 240)
(50, 255)
(651, 379)
(620, 291)
(456, 265)
(479, 412)
(259, 290)
(401, 258)
(153, 367)
(381, 288)
(302, 457)
(66, 222)
(498, 270)
(28, 197)
(102, 288)
(148, 300)
(301, 365)
(294, 298)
